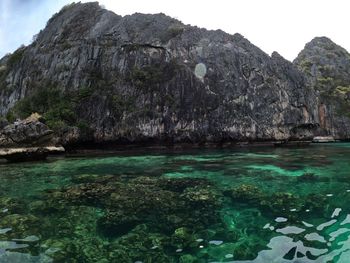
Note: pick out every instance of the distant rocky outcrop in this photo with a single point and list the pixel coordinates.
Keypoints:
(99, 77)
(27, 139)
(327, 67)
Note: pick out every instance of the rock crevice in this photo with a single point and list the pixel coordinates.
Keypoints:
(149, 77)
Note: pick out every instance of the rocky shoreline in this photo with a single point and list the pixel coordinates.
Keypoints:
(27, 140)
(29, 153)
(31, 139)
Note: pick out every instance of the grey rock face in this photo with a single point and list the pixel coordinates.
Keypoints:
(322, 58)
(327, 67)
(28, 132)
(150, 77)
(29, 153)
(27, 140)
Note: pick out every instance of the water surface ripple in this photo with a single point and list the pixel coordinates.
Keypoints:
(204, 205)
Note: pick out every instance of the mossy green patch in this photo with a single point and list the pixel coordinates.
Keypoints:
(57, 107)
(15, 57)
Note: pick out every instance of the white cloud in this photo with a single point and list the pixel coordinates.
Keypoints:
(281, 25)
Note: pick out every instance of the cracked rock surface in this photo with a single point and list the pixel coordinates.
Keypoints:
(147, 77)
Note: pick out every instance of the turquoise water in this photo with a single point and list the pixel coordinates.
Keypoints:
(218, 205)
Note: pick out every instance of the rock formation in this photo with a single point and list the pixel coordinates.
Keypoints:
(96, 76)
(327, 67)
(27, 139)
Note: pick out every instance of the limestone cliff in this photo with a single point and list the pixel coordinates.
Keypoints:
(327, 67)
(96, 76)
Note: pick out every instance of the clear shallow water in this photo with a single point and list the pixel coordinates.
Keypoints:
(241, 205)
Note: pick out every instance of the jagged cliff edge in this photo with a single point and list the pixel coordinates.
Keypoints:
(96, 76)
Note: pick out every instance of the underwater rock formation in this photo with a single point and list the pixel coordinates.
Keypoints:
(130, 204)
(275, 203)
(129, 218)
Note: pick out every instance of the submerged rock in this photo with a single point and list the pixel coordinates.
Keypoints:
(183, 238)
(307, 177)
(10, 205)
(203, 196)
(21, 225)
(279, 203)
(246, 193)
(90, 178)
(153, 201)
(187, 259)
(282, 203)
(61, 249)
(140, 245)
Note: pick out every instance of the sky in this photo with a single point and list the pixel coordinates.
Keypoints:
(284, 26)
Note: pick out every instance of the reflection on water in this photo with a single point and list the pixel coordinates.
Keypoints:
(238, 205)
(308, 243)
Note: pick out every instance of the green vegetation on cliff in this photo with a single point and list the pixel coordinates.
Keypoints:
(327, 66)
(11, 61)
(16, 57)
(56, 107)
